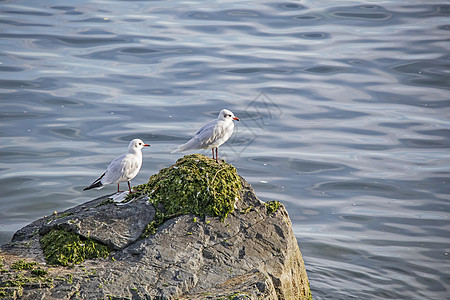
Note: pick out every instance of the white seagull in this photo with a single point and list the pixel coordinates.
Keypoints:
(212, 134)
(123, 168)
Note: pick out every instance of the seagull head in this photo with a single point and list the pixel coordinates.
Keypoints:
(137, 144)
(225, 114)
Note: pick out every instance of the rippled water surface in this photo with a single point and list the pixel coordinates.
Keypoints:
(344, 109)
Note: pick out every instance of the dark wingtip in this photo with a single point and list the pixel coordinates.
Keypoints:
(93, 186)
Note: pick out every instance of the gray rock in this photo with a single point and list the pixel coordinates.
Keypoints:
(252, 254)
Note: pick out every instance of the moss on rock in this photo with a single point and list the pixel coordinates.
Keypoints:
(194, 184)
(67, 248)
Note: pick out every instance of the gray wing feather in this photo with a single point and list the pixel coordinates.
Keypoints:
(196, 142)
(204, 137)
(115, 170)
(209, 133)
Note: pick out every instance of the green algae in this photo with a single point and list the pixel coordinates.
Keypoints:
(235, 296)
(246, 210)
(14, 280)
(104, 202)
(63, 215)
(39, 272)
(195, 184)
(23, 265)
(149, 229)
(67, 248)
(272, 206)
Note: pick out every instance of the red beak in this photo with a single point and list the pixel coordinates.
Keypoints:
(236, 118)
(146, 145)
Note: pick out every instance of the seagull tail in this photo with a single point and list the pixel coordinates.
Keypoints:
(97, 184)
(177, 150)
(191, 144)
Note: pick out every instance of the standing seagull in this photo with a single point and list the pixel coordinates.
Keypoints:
(212, 134)
(123, 168)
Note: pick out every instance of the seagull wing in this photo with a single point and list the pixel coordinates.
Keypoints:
(131, 166)
(116, 170)
(209, 133)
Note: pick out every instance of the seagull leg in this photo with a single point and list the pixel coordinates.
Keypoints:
(212, 149)
(217, 154)
(118, 190)
(129, 187)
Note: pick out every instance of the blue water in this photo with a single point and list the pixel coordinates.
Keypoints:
(344, 109)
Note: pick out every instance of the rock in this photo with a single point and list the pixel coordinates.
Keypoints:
(252, 253)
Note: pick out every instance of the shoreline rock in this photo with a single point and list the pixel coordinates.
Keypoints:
(250, 254)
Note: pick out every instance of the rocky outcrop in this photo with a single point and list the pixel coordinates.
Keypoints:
(250, 254)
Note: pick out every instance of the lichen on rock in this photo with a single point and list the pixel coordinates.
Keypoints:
(194, 184)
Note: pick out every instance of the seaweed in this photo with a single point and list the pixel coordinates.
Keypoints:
(67, 248)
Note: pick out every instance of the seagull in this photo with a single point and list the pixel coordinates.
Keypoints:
(212, 134)
(123, 168)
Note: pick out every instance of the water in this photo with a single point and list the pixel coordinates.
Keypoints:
(344, 109)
